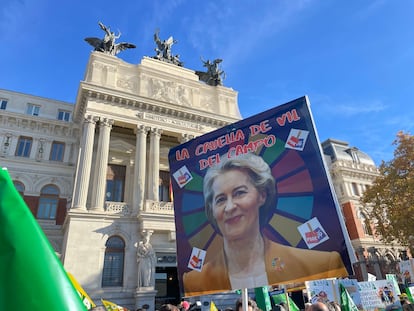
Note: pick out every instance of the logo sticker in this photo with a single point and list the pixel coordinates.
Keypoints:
(297, 139)
(197, 259)
(182, 176)
(313, 233)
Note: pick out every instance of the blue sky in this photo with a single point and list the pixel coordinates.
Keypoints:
(354, 59)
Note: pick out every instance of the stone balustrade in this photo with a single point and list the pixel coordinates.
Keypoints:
(158, 207)
(117, 208)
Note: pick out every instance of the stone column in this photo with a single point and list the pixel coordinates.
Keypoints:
(139, 169)
(375, 261)
(362, 262)
(99, 178)
(154, 156)
(85, 160)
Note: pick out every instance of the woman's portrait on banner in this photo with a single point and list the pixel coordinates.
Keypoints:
(239, 193)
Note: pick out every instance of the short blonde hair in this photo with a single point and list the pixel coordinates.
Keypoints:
(259, 174)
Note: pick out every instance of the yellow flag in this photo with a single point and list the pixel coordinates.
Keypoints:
(87, 301)
(213, 306)
(110, 306)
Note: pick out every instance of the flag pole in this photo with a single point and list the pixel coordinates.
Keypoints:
(286, 297)
(245, 299)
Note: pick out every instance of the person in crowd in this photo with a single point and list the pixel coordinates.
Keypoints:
(319, 306)
(169, 307)
(308, 306)
(333, 306)
(184, 305)
(239, 194)
(252, 305)
(406, 304)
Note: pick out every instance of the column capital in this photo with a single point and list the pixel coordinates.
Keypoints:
(106, 122)
(156, 131)
(186, 137)
(91, 119)
(143, 129)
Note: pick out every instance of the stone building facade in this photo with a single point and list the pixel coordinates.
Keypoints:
(110, 178)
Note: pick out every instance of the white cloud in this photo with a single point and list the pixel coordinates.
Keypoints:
(338, 107)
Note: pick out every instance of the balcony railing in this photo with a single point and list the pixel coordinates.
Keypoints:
(158, 207)
(121, 208)
(150, 206)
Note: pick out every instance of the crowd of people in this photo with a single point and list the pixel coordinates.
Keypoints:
(405, 305)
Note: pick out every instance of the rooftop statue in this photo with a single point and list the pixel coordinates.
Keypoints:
(107, 44)
(214, 75)
(163, 50)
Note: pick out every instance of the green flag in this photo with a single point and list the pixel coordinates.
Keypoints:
(262, 298)
(31, 276)
(280, 296)
(347, 303)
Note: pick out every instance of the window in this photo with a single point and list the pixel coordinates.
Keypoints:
(33, 109)
(164, 189)
(19, 187)
(113, 269)
(48, 202)
(355, 190)
(115, 180)
(23, 146)
(63, 115)
(3, 104)
(57, 152)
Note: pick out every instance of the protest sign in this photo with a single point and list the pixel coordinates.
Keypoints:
(292, 220)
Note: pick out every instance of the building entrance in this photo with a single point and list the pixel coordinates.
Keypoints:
(166, 285)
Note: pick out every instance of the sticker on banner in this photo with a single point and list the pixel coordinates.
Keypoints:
(296, 139)
(182, 176)
(197, 259)
(313, 233)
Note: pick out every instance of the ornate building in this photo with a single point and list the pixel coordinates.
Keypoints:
(96, 174)
(352, 171)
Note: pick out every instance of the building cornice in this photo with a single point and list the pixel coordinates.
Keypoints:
(18, 123)
(142, 105)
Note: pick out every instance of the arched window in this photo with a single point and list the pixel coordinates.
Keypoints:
(19, 187)
(113, 270)
(48, 202)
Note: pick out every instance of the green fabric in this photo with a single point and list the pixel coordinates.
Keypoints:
(31, 275)
(262, 298)
(347, 304)
(277, 299)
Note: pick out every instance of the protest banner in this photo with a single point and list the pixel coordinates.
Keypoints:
(347, 303)
(377, 294)
(351, 286)
(406, 268)
(292, 219)
(322, 291)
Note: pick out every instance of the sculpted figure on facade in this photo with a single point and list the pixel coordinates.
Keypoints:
(107, 44)
(163, 50)
(146, 262)
(214, 75)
